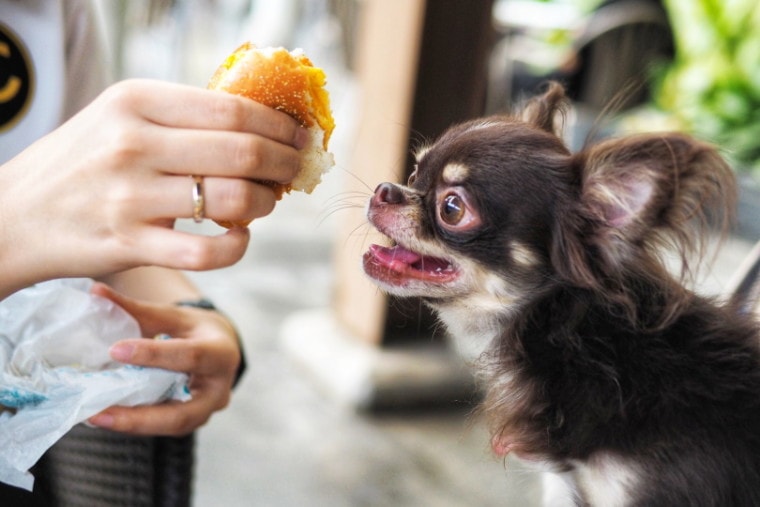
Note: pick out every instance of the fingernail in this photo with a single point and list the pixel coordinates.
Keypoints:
(102, 420)
(302, 138)
(122, 352)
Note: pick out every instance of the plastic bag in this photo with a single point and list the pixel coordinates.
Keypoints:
(55, 371)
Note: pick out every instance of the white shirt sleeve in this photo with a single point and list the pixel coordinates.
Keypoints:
(88, 69)
(63, 45)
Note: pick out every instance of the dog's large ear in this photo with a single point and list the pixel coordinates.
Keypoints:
(543, 110)
(651, 189)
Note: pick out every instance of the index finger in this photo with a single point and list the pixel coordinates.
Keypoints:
(179, 354)
(184, 106)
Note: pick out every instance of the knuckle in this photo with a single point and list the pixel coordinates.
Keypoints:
(268, 205)
(293, 161)
(125, 423)
(123, 144)
(145, 354)
(198, 255)
(119, 196)
(239, 199)
(193, 357)
(123, 94)
(265, 202)
(285, 129)
(248, 153)
(126, 146)
(223, 401)
(233, 110)
(182, 423)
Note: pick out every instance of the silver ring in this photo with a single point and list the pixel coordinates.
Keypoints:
(199, 205)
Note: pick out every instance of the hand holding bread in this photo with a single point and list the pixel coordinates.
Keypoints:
(101, 193)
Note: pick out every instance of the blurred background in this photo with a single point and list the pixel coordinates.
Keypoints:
(352, 399)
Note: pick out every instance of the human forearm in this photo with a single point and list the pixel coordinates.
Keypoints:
(153, 284)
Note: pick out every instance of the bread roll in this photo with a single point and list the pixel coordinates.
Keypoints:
(289, 82)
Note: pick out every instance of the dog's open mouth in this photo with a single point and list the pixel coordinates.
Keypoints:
(397, 265)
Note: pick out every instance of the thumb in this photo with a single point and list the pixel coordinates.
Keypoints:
(152, 318)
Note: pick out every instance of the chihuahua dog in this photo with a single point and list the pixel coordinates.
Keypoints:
(598, 360)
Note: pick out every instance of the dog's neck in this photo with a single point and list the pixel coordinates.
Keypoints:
(476, 321)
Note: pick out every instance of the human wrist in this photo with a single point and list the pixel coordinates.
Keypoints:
(19, 270)
(206, 304)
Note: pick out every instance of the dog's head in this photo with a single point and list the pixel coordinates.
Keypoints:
(498, 210)
(476, 216)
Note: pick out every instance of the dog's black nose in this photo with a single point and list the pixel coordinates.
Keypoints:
(388, 193)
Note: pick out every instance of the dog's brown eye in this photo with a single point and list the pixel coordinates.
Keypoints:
(452, 209)
(456, 210)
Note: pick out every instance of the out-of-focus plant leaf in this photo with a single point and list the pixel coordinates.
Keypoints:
(713, 85)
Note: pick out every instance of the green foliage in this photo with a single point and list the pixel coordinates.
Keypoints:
(713, 86)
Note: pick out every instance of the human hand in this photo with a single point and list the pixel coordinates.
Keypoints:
(101, 193)
(204, 344)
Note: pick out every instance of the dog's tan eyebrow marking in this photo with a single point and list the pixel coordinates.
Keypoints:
(523, 255)
(420, 153)
(455, 174)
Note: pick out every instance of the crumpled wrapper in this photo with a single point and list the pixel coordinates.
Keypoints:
(55, 371)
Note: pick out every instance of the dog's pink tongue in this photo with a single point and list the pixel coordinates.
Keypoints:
(395, 254)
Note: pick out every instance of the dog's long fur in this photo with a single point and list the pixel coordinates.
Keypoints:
(599, 360)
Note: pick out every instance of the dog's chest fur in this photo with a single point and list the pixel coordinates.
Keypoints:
(606, 479)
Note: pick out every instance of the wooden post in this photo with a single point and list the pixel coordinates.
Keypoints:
(421, 67)
(386, 66)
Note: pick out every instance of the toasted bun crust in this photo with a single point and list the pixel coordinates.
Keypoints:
(289, 82)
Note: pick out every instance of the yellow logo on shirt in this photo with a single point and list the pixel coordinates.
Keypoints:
(15, 78)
